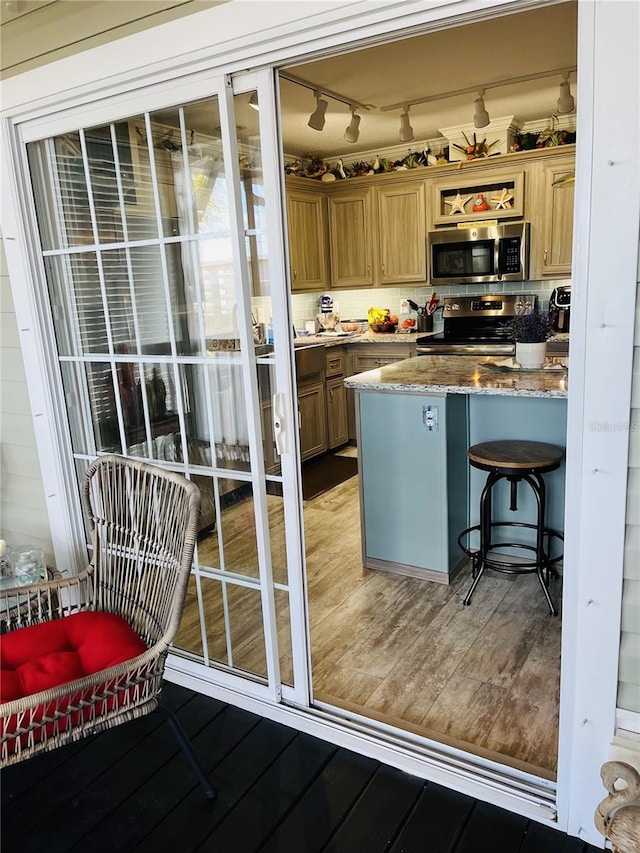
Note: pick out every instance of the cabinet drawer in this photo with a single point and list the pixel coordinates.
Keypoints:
(335, 362)
(371, 356)
(370, 362)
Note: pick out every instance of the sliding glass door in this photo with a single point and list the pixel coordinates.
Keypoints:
(161, 252)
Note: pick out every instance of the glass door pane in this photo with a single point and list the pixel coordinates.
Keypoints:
(156, 254)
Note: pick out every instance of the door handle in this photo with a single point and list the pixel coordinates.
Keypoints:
(277, 408)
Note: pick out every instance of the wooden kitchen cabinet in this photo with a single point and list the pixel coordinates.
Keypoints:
(307, 223)
(401, 233)
(369, 357)
(485, 178)
(351, 238)
(558, 219)
(377, 235)
(313, 422)
(552, 209)
(337, 423)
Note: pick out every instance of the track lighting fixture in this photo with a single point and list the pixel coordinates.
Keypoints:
(480, 116)
(316, 119)
(352, 132)
(406, 131)
(253, 101)
(566, 103)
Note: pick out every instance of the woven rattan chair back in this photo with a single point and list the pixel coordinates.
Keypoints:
(143, 522)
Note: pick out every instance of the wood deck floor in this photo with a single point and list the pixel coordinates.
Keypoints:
(130, 789)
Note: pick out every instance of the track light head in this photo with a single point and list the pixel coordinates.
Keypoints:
(406, 131)
(566, 103)
(352, 132)
(480, 116)
(253, 101)
(316, 119)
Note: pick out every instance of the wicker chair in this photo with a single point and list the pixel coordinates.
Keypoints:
(85, 653)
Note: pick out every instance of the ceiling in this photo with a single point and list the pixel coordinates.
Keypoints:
(432, 64)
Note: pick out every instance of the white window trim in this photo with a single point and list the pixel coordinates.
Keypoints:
(596, 461)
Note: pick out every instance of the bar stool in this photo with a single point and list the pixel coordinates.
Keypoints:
(514, 461)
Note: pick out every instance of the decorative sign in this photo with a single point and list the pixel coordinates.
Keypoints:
(479, 223)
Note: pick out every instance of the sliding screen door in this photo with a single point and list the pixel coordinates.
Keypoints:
(162, 280)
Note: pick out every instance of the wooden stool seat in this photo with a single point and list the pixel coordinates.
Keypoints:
(515, 455)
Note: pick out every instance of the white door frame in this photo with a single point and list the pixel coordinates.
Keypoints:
(602, 328)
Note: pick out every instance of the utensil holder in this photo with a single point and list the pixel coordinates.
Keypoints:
(425, 323)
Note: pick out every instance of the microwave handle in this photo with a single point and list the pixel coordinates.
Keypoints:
(497, 258)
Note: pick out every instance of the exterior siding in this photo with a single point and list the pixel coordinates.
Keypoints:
(23, 511)
(629, 673)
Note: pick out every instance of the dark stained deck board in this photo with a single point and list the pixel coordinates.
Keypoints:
(271, 797)
(544, 839)
(439, 817)
(193, 819)
(491, 830)
(323, 806)
(373, 821)
(279, 791)
(136, 817)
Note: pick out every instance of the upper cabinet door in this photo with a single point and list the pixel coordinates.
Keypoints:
(306, 215)
(351, 238)
(558, 219)
(402, 233)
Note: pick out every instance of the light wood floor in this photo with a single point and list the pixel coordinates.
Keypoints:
(407, 651)
(402, 650)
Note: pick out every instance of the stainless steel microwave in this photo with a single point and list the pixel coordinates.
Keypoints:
(478, 254)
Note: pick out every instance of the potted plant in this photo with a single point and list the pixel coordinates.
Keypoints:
(530, 332)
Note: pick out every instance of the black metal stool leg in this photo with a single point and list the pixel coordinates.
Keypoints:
(478, 562)
(537, 486)
(186, 747)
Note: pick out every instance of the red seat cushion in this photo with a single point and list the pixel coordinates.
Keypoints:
(44, 656)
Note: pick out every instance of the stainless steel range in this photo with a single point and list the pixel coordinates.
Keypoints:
(474, 325)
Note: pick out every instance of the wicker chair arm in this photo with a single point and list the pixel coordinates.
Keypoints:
(42, 602)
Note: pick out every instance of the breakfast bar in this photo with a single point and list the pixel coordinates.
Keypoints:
(416, 420)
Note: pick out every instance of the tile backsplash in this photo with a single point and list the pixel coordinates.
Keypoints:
(354, 304)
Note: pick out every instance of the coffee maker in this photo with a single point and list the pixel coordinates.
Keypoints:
(559, 308)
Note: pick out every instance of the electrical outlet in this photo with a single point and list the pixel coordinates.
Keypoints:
(404, 306)
(430, 418)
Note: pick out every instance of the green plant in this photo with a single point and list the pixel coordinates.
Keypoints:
(532, 328)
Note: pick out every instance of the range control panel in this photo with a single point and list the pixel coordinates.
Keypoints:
(488, 305)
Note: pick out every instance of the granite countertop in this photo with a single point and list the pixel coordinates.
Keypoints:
(459, 374)
(367, 337)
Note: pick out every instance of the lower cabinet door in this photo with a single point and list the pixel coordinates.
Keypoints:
(313, 419)
(337, 424)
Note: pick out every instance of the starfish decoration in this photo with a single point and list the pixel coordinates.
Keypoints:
(503, 200)
(457, 203)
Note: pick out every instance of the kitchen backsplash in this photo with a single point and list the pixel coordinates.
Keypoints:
(354, 304)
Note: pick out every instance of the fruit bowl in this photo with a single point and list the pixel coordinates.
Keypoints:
(382, 327)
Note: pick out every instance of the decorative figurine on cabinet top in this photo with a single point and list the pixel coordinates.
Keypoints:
(480, 204)
(457, 203)
(503, 199)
